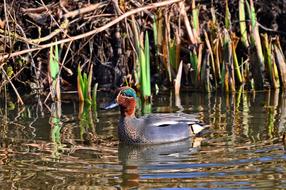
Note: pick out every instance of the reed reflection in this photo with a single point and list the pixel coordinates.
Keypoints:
(87, 118)
(56, 126)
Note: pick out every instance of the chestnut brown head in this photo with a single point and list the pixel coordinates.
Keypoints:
(126, 99)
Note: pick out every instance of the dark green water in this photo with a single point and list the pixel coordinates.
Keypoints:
(243, 150)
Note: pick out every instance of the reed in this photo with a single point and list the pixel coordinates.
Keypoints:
(242, 24)
(166, 46)
(227, 19)
(178, 79)
(156, 43)
(280, 61)
(235, 60)
(194, 64)
(145, 70)
(205, 73)
(94, 95)
(172, 54)
(223, 53)
(256, 54)
(271, 68)
(54, 73)
(144, 61)
(215, 41)
(195, 21)
(143, 74)
(84, 85)
(228, 69)
(86, 123)
(210, 50)
(188, 26)
(56, 126)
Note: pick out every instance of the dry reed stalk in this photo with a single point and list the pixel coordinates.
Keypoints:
(234, 42)
(178, 48)
(200, 54)
(280, 61)
(167, 42)
(242, 24)
(271, 68)
(217, 58)
(189, 29)
(178, 79)
(195, 21)
(257, 70)
(205, 73)
(228, 62)
(212, 57)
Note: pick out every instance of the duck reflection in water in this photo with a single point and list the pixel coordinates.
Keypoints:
(138, 160)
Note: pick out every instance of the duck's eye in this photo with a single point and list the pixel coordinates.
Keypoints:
(128, 95)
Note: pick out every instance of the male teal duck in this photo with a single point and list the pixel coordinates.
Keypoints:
(153, 128)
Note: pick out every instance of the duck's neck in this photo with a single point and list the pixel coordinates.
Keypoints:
(127, 108)
(128, 112)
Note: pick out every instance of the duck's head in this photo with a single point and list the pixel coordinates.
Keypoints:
(126, 99)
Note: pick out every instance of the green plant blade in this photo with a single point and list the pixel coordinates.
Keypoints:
(79, 84)
(242, 24)
(54, 72)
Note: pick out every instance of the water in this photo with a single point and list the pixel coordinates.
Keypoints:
(48, 147)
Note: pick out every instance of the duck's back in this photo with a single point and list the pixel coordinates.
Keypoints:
(165, 133)
(163, 128)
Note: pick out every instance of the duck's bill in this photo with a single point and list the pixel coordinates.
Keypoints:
(111, 105)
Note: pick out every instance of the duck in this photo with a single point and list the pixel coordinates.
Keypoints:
(155, 128)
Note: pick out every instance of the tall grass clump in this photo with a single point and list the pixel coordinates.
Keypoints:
(84, 85)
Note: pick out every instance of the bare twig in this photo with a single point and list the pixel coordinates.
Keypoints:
(15, 90)
(63, 62)
(61, 28)
(14, 76)
(12, 35)
(38, 9)
(89, 8)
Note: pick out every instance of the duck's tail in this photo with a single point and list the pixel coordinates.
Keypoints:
(197, 128)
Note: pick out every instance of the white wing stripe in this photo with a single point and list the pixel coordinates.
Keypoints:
(165, 123)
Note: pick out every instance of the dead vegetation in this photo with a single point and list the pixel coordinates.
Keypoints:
(205, 36)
